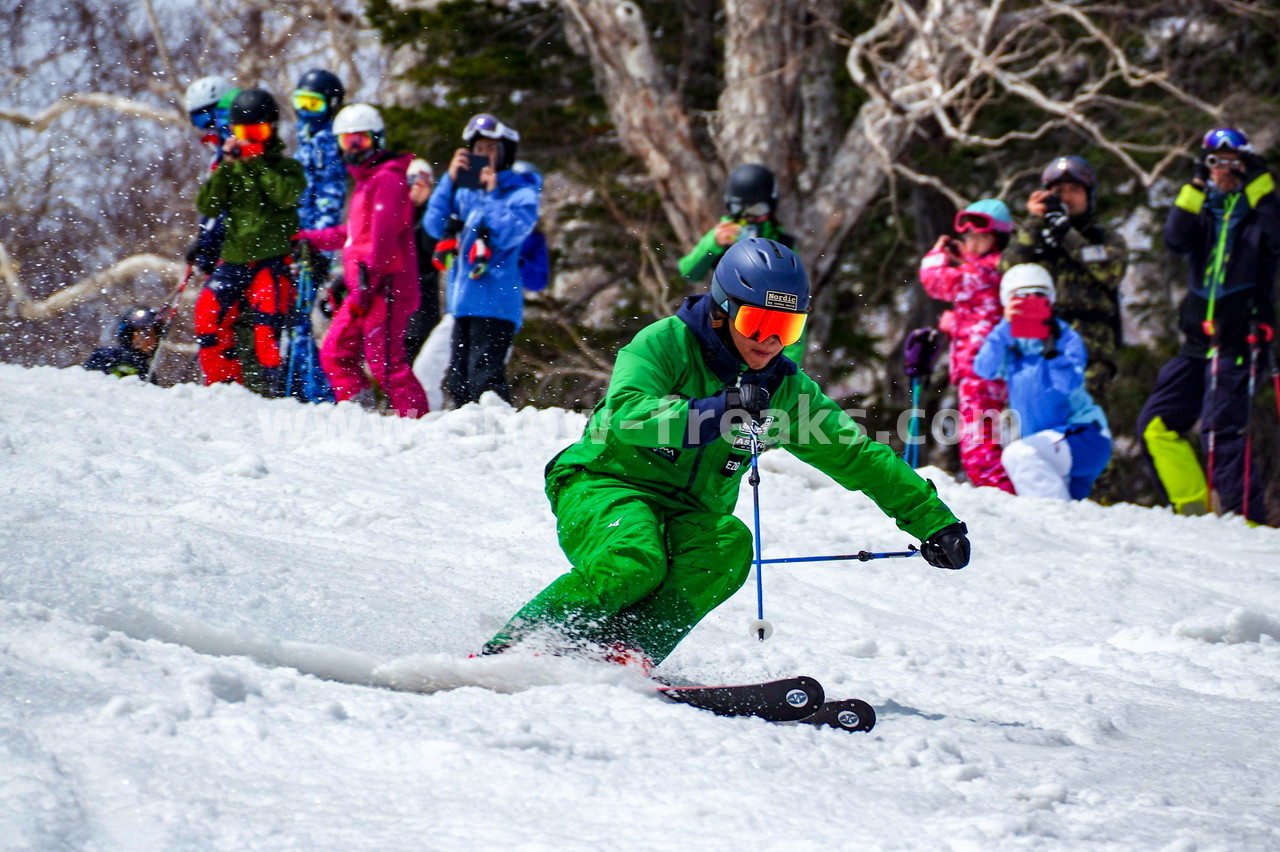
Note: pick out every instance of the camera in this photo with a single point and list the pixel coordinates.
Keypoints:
(1053, 204)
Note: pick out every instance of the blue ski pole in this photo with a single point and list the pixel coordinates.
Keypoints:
(760, 627)
(861, 556)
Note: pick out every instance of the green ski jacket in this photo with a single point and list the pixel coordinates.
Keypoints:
(641, 434)
(260, 197)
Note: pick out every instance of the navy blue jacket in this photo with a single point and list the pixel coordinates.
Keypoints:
(1250, 249)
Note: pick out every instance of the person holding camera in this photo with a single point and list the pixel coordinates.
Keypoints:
(1066, 439)
(1226, 222)
(963, 271)
(644, 500)
(257, 188)
(497, 207)
(1086, 260)
(750, 203)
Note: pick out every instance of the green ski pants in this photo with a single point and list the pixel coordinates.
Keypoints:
(645, 570)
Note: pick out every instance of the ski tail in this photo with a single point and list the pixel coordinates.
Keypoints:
(850, 714)
(788, 700)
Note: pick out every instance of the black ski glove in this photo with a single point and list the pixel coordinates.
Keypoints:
(1201, 173)
(751, 399)
(947, 548)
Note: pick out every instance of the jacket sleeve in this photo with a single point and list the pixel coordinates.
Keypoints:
(439, 208)
(212, 197)
(510, 219)
(992, 357)
(1184, 228)
(1065, 373)
(822, 435)
(695, 265)
(938, 277)
(641, 410)
(326, 239)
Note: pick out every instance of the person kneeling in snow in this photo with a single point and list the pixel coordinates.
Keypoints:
(1043, 360)
(644, 500)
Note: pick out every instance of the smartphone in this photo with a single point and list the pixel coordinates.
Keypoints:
(1033, 318)
(469, 178)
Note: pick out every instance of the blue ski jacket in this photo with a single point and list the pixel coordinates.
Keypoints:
(323, 200)
(504, 219)
(1047, 393)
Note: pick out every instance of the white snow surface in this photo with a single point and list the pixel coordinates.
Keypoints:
(204, 596)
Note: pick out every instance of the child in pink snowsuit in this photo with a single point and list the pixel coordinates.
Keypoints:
(380, 266)
(964, 273)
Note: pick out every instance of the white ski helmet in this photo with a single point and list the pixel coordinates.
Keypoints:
(359, 118)
(206, 92)
(1025, 279)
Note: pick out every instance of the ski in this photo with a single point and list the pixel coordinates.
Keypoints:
(850, 714)
(788, 700)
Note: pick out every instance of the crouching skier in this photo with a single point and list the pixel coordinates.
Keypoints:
(644, 500)
(258, 188)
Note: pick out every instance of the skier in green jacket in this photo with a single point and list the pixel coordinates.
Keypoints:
(257, 188)
(644, 500)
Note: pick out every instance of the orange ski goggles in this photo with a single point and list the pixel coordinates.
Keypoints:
(360, 140)
(760, 324)
(252, 132)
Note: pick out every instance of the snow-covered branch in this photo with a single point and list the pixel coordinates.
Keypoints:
(86, 289)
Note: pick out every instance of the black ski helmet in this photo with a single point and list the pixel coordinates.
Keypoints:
(750, 184)
(760, 272)
(1070, 169)
(325, 83)
(254, 106)
(135, 319)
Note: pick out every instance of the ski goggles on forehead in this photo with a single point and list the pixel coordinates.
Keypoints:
(970, 220)
(260, 132)
(1226, 137)
(357, 141)
(759, 210)
(488, 126)
(760, 324)
(305, 101)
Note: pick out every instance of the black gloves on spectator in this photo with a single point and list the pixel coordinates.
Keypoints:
(948, 547)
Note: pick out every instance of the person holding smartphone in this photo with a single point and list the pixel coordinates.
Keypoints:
(498, 209)
(963, 272)
(1066, 440)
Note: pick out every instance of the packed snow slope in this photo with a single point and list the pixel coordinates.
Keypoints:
(201, 590)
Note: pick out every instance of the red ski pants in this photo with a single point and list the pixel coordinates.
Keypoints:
(265, 289)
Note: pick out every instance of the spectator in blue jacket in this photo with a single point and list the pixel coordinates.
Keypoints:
(1066, 440)
(208, 104)
(498, 208)
(137, 337)
(316, 100)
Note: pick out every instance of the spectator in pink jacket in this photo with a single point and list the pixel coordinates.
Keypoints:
(380, 266)
(964, 273)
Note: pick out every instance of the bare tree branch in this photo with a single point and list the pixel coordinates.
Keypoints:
(95, 100)
(88, 288)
